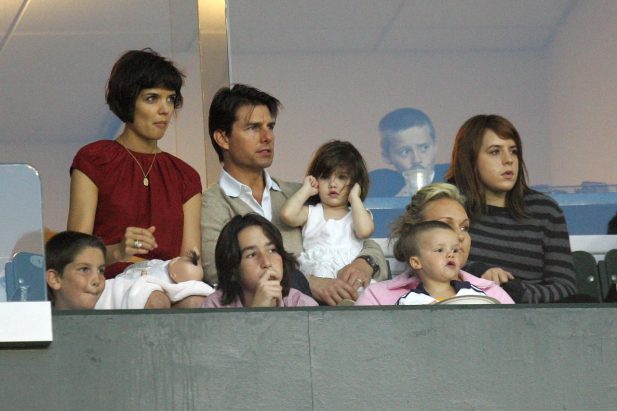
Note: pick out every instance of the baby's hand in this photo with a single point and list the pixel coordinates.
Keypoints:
(356, 191)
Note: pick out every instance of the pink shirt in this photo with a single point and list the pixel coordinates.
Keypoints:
(294, 299)
(388, 292)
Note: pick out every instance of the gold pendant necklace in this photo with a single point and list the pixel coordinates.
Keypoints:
(145, 173)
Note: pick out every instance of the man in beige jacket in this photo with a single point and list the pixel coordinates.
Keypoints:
(241, 127)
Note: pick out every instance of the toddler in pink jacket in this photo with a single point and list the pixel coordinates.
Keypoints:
(433, 251)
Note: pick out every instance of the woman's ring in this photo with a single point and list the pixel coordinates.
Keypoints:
(137, 244)
(359, 280)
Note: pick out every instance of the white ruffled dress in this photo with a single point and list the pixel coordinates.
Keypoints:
(329, 245)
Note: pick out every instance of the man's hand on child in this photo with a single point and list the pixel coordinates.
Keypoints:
(331, 291)
(358, 273)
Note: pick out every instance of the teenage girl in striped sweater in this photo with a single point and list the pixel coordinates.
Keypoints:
(520, 239)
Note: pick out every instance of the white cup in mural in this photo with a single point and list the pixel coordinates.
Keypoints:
(415, 179)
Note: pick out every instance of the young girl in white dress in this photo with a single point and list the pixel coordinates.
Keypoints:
(329, 208)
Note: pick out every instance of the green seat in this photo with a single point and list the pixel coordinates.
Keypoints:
(608, 272)
(587, 277)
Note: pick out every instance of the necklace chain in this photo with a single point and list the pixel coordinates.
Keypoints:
(145, 173)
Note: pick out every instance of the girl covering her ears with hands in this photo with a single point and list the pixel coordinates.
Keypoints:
(329, 208)
(144, 203)
(253, 267)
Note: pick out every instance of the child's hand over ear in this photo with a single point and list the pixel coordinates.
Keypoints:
(310, 186)
(355, 191)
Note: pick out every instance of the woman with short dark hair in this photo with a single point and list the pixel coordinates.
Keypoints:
(141, 201)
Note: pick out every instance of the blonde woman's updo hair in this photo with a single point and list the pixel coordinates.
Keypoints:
(414, 213)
